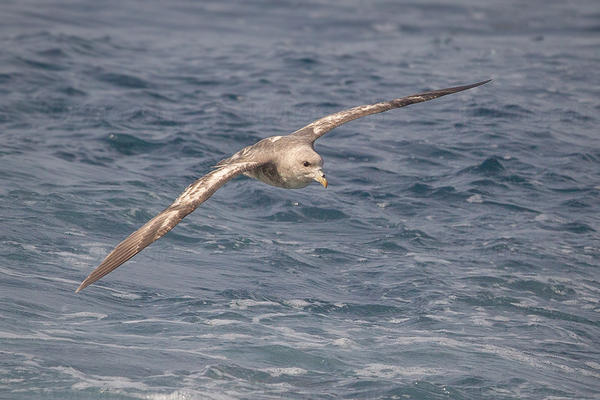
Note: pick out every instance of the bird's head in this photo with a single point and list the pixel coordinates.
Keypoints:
(307, 166)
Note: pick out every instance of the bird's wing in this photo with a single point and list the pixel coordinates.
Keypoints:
(318, 128)
(194, 195)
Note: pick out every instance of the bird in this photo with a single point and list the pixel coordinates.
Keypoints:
(289, 162)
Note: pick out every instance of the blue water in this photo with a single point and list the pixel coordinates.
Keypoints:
(455, 254)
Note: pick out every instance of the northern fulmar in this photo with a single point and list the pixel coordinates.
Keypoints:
(287, 161)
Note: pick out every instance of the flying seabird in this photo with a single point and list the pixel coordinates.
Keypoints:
(287, 161)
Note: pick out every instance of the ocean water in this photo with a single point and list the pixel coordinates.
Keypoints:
(455, 254)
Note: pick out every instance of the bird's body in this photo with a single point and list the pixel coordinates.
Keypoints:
(280, 167)
(288, 162)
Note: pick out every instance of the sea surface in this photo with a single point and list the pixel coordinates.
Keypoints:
(455, 254)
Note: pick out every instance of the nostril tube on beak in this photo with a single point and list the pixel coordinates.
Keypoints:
(321, 179)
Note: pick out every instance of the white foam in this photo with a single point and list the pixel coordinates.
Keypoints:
(476, 198)
(387, 371)
(427, 259)
(84, 314)
(258, 318)
(126, 296)
(297, 303)
(398, 320)
(176, 395)
(551, 218)
(220, 322)
(243, 304)
(593, 364)
(292, 371)
(152, 320)
(86, 381)
(343, 342)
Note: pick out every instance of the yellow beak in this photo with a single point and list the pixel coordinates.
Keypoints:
(322, 180)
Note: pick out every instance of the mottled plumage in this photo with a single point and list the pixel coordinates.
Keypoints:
(285, 161)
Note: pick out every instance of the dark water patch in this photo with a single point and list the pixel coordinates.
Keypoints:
(5, 78)
(446, 193)
(387, 245)
(318, 106)
(158, 96)
(488, 112)
(322, 214)
(149, 117)
(413, 236)
(294, 263)
(501, 245)
(302, 62)
(488, 299)
(195, 81)
(53, 52)
(46, 66)
(553, 314)
(101, 161)
(71, 91)
(122, 80)
(488, 183)
(574, 227)
(571, 115)
(232, 119)
(232, 243)
(243, 294)
(327, 254)
(516, 108)
(572, 189)
(486, 281)
(442, 193)
(357, 310)
(26, 309)
(421, 189)
(232, 371)
(490, 166)
(229, 315)
(554, 290)
(65, 155)
(286, 216)
(556, 177)
(44, 106)
(130, 145)
(232, 97)
(277, 354)
(576, 204)
(511, 207)
(517, 179)
(425, 162)
(432, 151)
(518, 265)
(585, 156)
(306, 214)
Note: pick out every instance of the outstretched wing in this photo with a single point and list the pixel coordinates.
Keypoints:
(318, 128)
(194, 195)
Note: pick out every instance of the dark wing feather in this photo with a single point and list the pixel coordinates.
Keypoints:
(318, 128)
(194, 195)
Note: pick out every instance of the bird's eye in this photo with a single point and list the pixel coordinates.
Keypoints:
(306, 164)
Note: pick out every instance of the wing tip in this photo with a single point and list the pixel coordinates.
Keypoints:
(482, 82)
(471, 86)
(82, 286)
